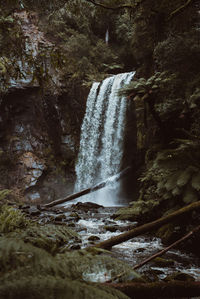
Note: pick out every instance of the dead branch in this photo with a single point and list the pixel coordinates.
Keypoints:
(88, 190)
(167, 248)
(179, 9)
(148, 227)
(111, 7)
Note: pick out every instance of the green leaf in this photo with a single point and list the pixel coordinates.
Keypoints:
(185, 177)
(176, 191)
(190, 195)
(171, 183)
(195, 182)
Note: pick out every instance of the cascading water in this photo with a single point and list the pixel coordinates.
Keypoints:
(101, 144)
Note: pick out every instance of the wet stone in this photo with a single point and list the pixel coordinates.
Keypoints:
(93, 238)
(179, 276)
(75, 215)
(87, 206)
(24, 207)
(161, 262)
(140, 250)
(111, 228)
(71, 224)
(33, 211)
(60, 217)
(75, 247)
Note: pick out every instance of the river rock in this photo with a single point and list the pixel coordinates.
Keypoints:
(60, 217)
(93, 238)
(111, 228)
(86, 206)
(179, 276)
(161, 262)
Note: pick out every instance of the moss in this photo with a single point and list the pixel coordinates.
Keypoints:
(44, 287)
(12, 219)
(139, 210)
(4, 193)
(179, 276)
(167, 233)
(161, 262)
(30, 272)
(91, 266)
(50, 237)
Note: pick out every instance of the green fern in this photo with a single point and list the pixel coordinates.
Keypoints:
(4, 193)
(175, 172)
(190, 195)
(195, 182)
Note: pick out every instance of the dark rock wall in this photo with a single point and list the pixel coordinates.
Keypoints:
(39, 142)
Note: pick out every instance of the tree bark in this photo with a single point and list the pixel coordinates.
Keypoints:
(88, 190)
(107, 244)
(172, 289)
(167, 248)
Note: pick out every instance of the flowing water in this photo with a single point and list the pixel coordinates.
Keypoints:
(100, 154)
(101, 144)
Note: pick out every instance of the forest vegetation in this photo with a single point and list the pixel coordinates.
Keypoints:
(52, 50)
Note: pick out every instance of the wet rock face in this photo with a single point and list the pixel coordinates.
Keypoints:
(37, 144)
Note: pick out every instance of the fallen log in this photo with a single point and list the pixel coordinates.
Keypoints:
(187, 236)
(107, 244)
(101, 185)
(172, 289)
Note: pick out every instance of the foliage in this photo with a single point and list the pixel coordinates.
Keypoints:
(175, 172)
(178, 54)
(12, 219)
(52, 238)
(4, 193)
(30, 272)
(140, 87)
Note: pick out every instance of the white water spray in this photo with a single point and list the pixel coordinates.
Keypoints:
(102, 132)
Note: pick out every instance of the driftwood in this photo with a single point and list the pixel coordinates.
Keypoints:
(89, 190)
(187, 236)
(172, 289)
(107, 244)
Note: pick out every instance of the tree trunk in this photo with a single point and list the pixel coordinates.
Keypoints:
(173, 289)
(89, 190)
(148, 227)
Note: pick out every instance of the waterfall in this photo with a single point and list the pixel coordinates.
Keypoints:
(101, 144)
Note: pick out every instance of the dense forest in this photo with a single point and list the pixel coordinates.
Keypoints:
(51, 52)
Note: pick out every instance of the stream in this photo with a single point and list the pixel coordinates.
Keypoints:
(95, 224)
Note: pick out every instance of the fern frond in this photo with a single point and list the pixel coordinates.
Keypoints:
(185, 176)
(195, 182)
(190, 195)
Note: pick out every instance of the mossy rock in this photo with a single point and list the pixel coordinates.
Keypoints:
(179, 276)
(50, 237)
(44, 287)
(161, 262)
(168, 233)
(30, 272)
(139, 211)
(12, 219)
(94, 267)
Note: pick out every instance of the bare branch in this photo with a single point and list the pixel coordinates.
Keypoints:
(179, 9)
(115, 7)
(191, 233)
